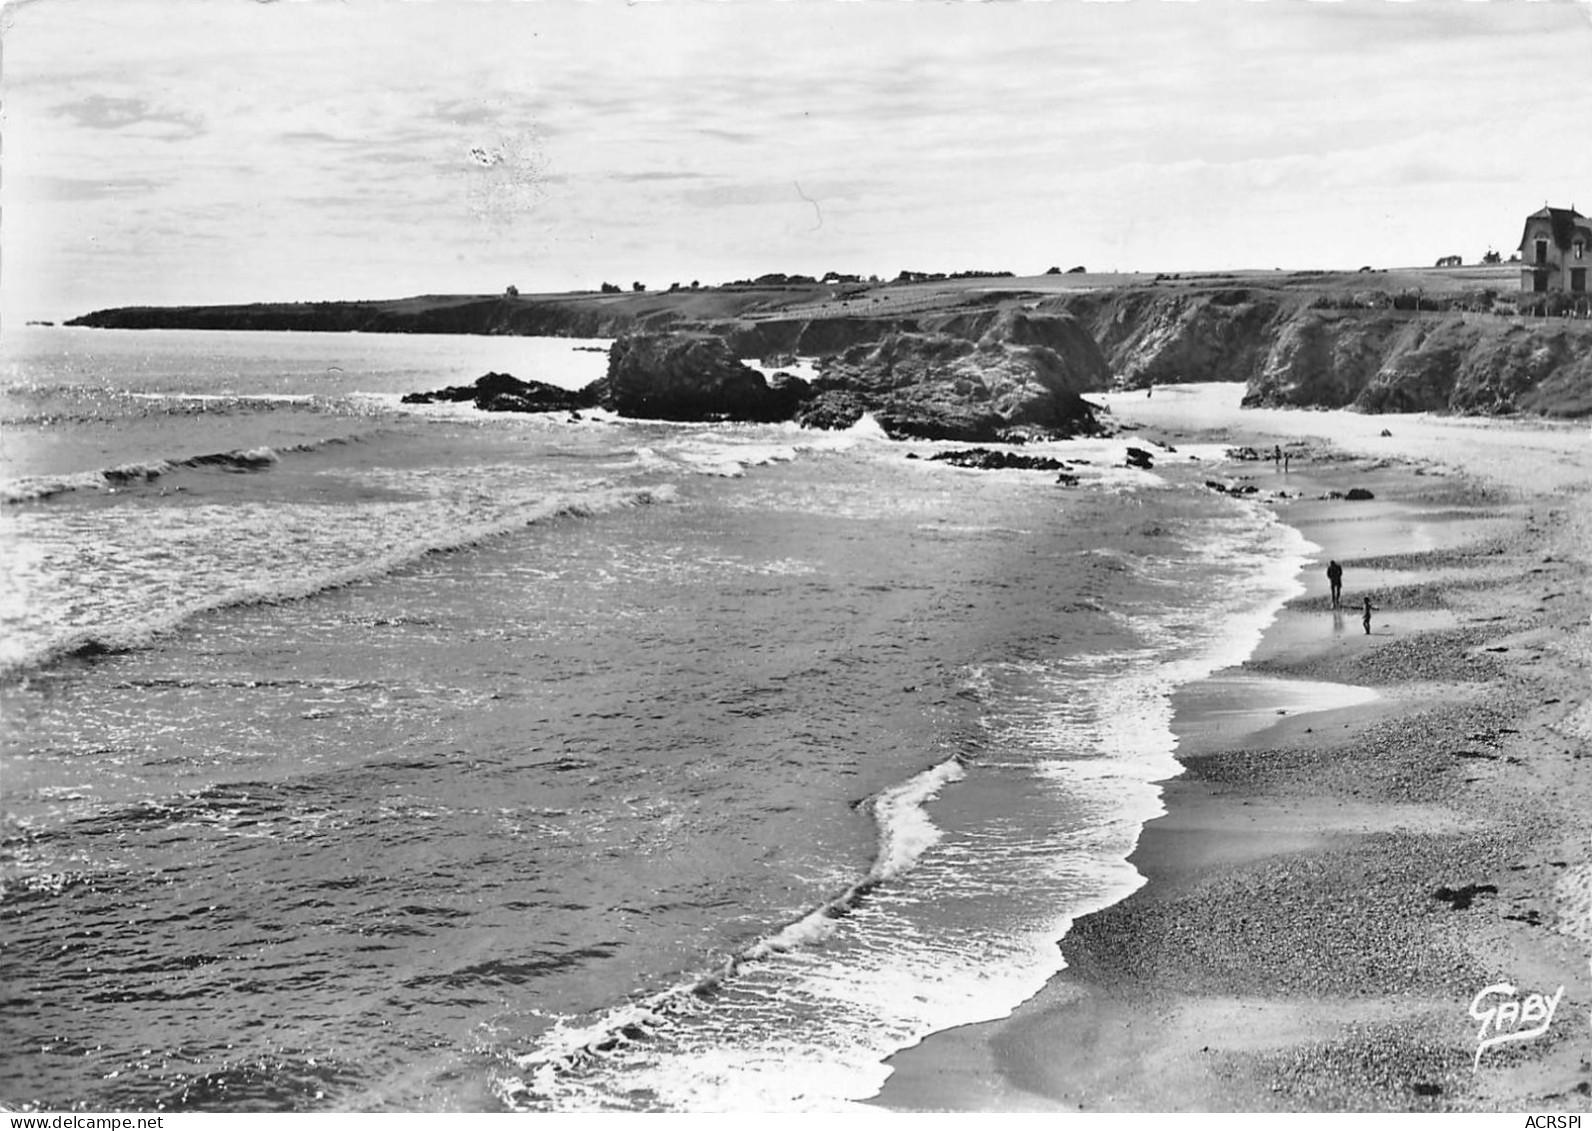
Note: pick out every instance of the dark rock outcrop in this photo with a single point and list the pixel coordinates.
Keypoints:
(1007, 385)
(987, 459)
(500, 392)
(1020, 380)
(691, 377)
(832, 409)
(1237, 490)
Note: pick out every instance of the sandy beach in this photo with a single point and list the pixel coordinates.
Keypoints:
(1370, 829)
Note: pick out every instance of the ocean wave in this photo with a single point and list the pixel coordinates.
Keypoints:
(905, 833)
(229, 398)
(136, 635)
(730, 451)
(33, 488)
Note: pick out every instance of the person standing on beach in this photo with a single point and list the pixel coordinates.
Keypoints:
(1365, 618)
(1276, 457)
(1335, 579)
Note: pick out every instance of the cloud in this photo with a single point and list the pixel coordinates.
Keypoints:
(74, 189)
(667, 141)
(735, 137)
(643, 178)
(100, 112)
(318, 137)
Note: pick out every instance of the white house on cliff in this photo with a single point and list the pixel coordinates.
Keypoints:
(1555, 251)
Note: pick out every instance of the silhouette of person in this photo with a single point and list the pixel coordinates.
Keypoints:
(1365, 618)
(1335, 579)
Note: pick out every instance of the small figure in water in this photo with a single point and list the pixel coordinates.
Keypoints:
(1276, 457)
(1365, 617)
(1286, 456)
(1335, 579)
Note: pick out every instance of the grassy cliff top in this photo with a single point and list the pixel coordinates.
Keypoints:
(830, 300)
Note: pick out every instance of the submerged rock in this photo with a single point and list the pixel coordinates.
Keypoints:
(501, 392)
(986, 459)
(1237, 490)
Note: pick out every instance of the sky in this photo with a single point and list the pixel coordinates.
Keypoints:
(207, 151)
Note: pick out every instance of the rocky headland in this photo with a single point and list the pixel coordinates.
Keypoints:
(988, 359)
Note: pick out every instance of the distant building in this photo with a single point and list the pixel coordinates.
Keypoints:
(1450, 261)
(1555, 251)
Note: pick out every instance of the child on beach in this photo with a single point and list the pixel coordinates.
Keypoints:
(1365, 619)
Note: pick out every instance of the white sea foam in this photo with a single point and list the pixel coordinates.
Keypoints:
(243, 554)
(36, 487)
(867, 428)
(982, 864)
(905, 834)
(905, 830)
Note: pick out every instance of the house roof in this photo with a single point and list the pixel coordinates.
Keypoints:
(1566, 222)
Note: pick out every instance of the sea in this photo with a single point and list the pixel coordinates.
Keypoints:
(361, 756)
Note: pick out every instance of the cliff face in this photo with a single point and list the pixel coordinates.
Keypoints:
(1367, 351)
(1293, 341)
(1321, 360)
(1156, 337)
(1545, 369)
(1393, 363)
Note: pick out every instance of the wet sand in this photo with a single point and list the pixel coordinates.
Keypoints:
(1369, 828)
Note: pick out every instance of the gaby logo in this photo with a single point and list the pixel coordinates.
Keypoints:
(1504, 1016)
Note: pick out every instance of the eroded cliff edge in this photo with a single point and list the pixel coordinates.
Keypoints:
(1447, 341)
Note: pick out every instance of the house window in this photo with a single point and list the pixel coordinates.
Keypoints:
(1542, 251)
(1539, 280)
(1578, 280)
(1578, 249)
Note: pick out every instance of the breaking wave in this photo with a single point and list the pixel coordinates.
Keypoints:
(905, 833)
(137, 634)
(35, 487)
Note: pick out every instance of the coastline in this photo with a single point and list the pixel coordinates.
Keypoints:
(1368, 830)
